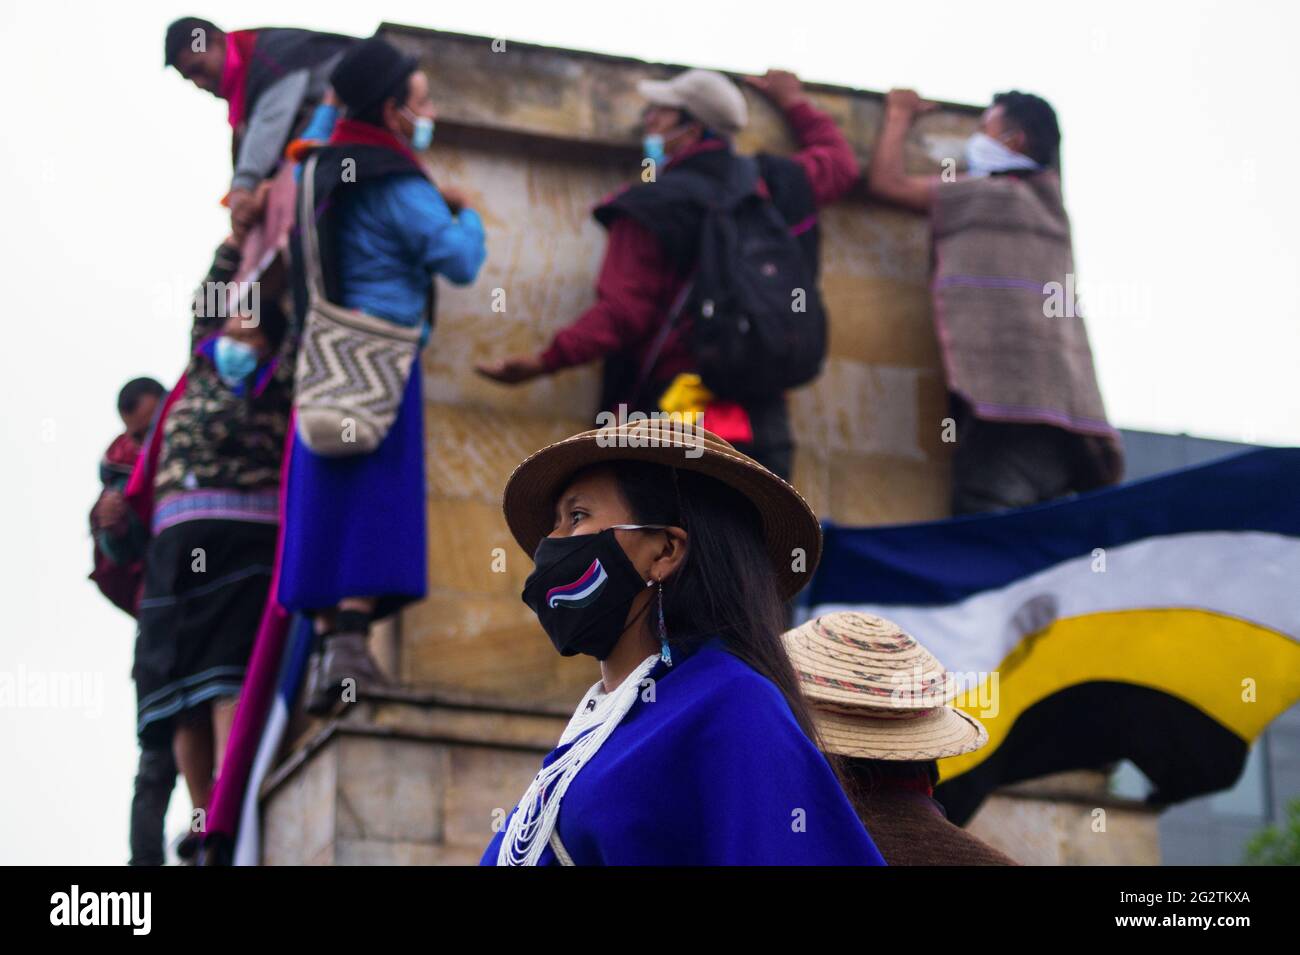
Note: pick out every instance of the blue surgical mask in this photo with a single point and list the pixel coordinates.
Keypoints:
(235, 360)
(422, 133)
(652, 147)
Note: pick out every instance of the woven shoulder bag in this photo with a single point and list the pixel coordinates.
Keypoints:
(352, 367)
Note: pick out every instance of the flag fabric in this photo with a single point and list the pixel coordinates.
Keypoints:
(248, 843)
(256, 699)
(1157, 621)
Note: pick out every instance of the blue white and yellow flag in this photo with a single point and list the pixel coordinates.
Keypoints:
(1157, 621)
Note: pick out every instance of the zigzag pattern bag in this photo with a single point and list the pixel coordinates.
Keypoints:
(352, 367)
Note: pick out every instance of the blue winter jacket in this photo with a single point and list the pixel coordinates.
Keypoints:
(394, 234)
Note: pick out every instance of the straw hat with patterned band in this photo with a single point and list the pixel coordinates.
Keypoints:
(876, 693)
(790, 528)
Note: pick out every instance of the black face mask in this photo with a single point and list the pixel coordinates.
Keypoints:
(582, 588)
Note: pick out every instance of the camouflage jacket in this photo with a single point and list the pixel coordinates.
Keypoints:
(213, 437)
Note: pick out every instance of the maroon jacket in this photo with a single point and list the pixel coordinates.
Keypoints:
(638, 283)
(120, 583)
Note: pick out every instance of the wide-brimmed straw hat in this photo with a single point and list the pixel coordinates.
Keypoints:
(790, 528)
(876, 693)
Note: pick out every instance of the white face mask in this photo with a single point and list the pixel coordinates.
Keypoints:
(985, 155)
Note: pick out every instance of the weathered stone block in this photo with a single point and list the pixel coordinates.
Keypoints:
(403, 783)
(1068, 819)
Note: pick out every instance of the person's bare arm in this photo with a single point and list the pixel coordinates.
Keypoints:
(886, 176)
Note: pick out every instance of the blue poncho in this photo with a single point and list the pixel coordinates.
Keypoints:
(713, 770)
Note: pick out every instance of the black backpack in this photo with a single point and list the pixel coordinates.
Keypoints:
(758, 326)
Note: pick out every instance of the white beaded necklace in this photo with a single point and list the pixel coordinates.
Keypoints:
(596, 717)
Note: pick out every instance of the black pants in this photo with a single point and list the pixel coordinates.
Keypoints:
(773, 445)
(998, 466)
(155, 777)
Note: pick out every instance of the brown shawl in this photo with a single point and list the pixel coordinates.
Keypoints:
(909, 829)
(1014, 347)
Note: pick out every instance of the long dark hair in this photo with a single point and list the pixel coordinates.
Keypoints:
(726, 586)
(867, 776)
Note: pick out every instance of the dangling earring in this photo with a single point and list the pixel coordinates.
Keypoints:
(665, 653)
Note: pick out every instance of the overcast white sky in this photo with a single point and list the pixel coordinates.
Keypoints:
(1180, 141)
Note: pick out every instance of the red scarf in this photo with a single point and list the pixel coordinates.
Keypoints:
(353, 132)
(234, 74)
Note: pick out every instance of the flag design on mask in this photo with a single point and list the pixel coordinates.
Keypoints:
(582, 592)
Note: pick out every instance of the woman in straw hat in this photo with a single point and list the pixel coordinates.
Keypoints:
(882, 704)
(665, 554)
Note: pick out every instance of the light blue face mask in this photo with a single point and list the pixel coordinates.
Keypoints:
(422, 133)
(652, 148)
(235, 360)
(652, 144)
